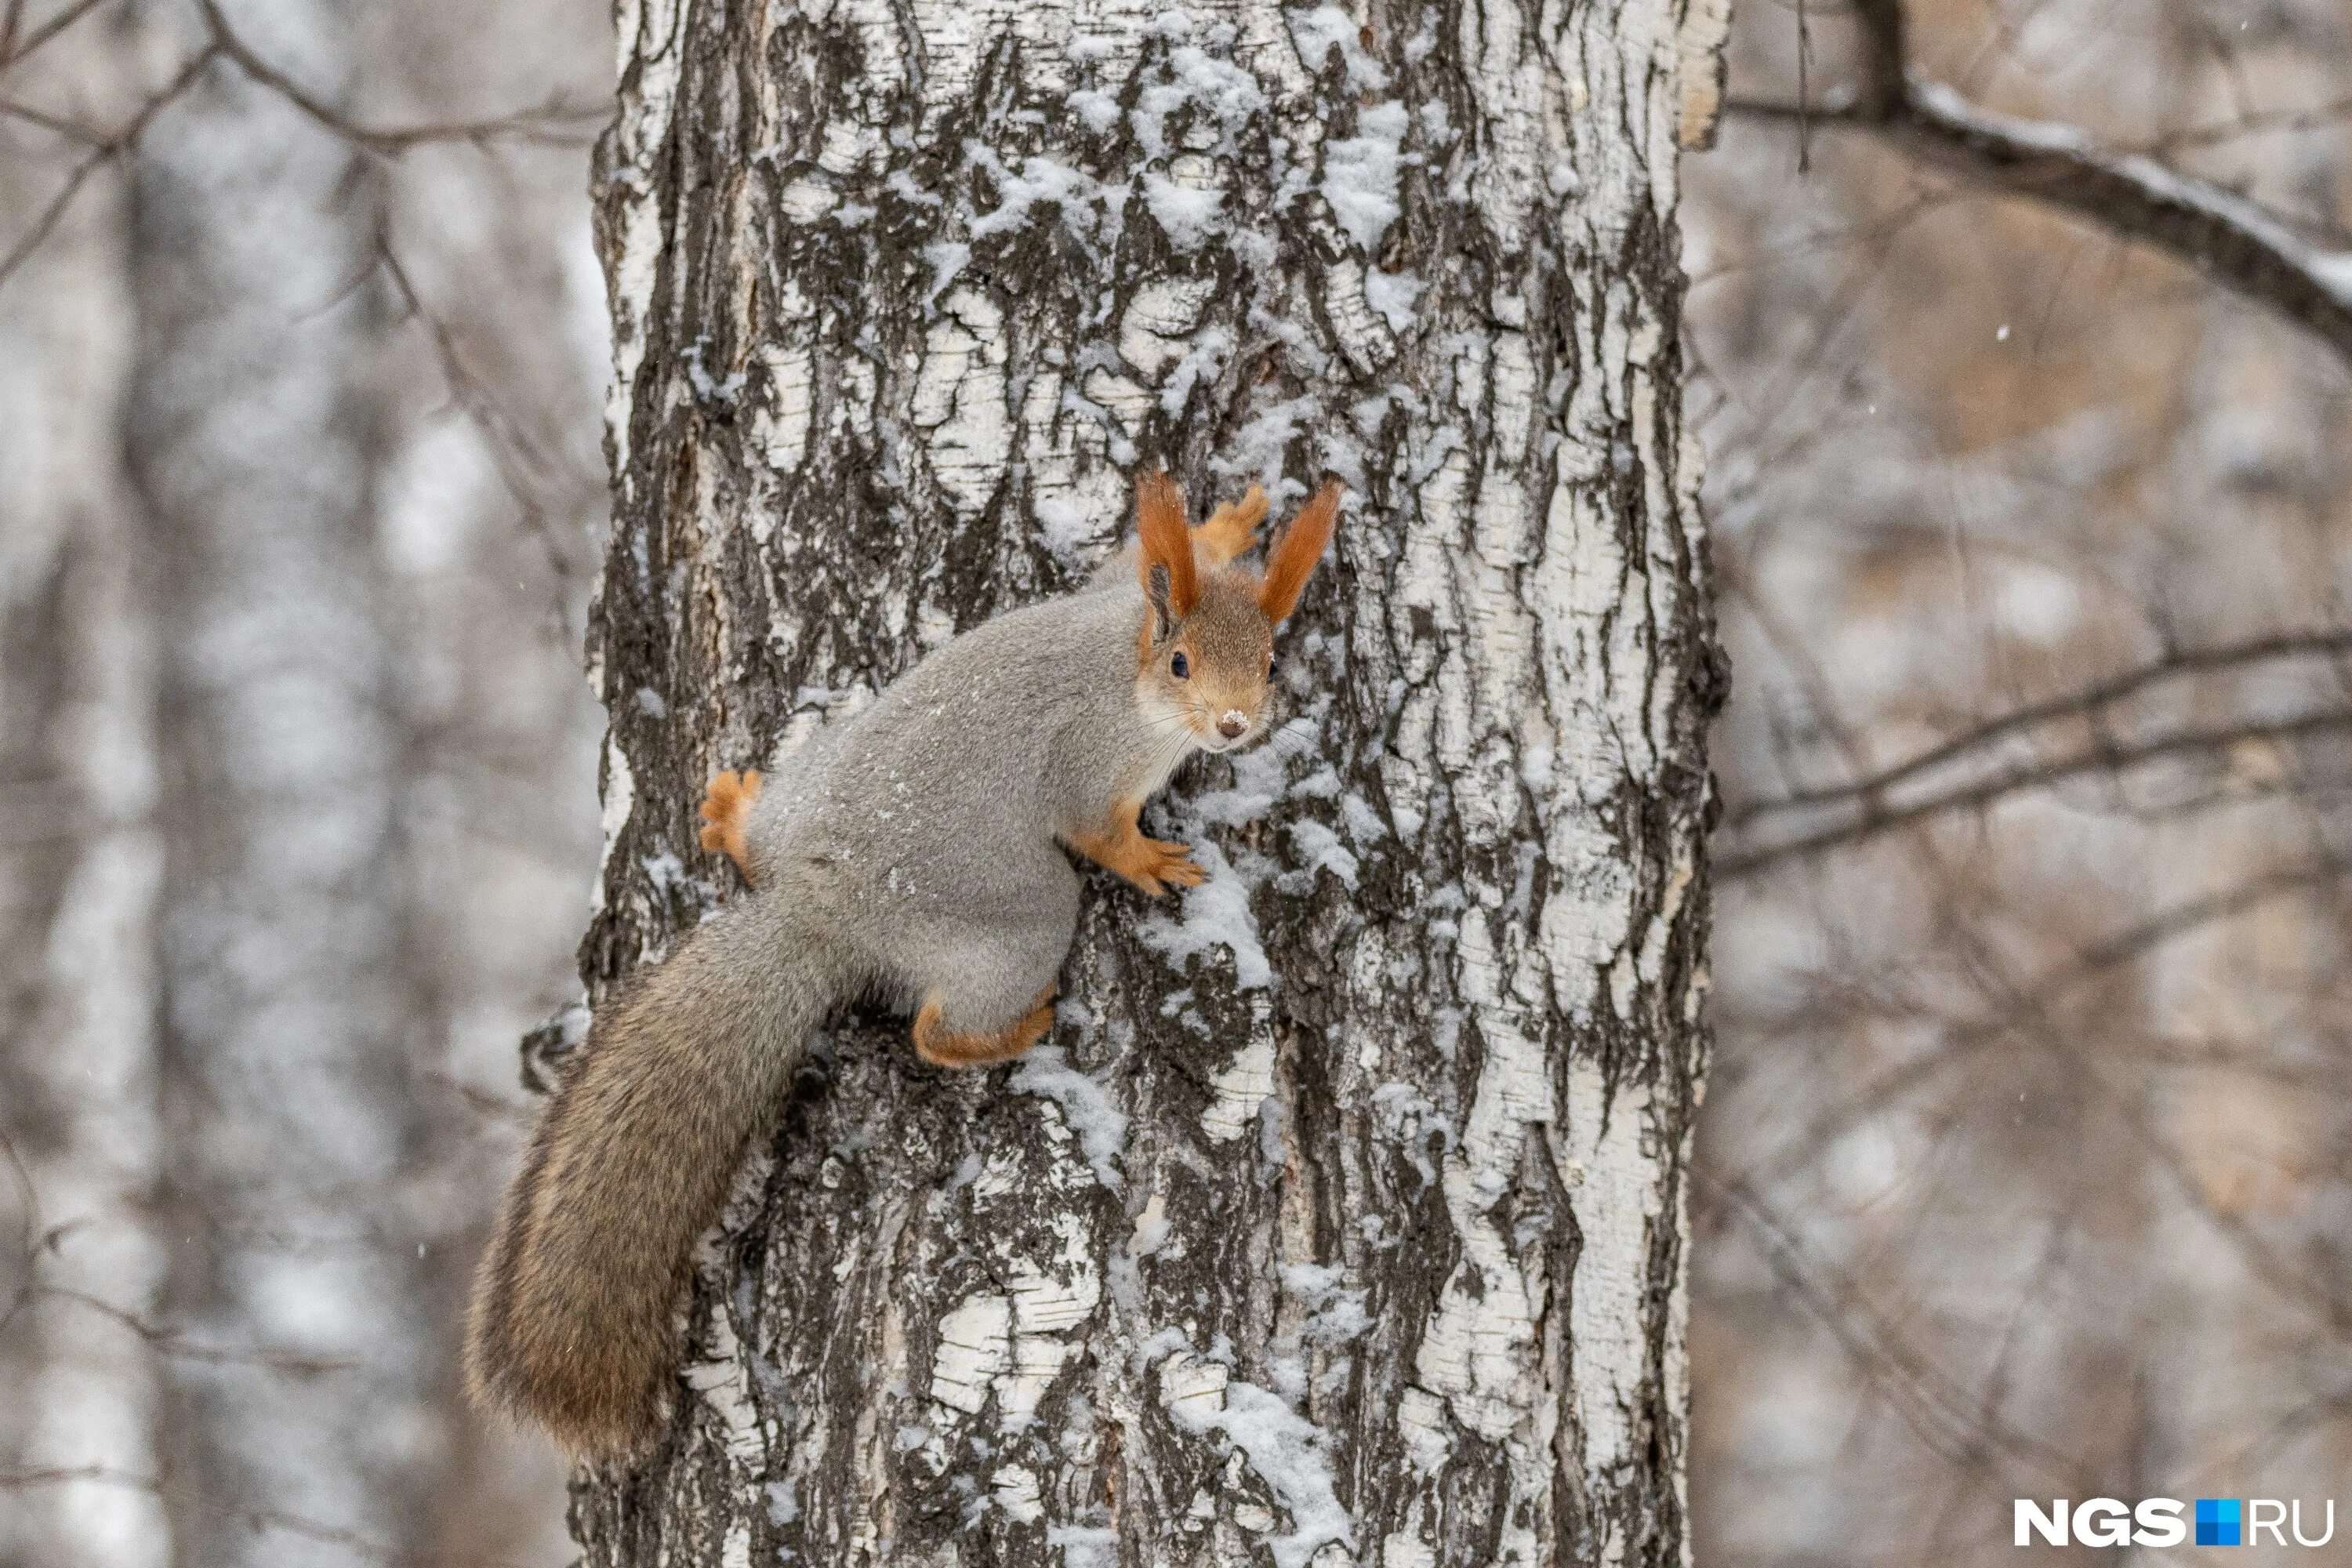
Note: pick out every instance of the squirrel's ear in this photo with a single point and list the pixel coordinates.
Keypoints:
(1164, 562)
(1292, 561)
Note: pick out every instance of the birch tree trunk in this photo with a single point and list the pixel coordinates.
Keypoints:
(290, 1112)
(80, 870)
(1340, 1220)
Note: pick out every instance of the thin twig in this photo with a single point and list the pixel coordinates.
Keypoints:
(2102, 756)
(2311, 118)
(13, 55)
(257, 1519)
(556, 121)
(112, 148)
(2073, 704)
(1930, 1400)
(2236, 242)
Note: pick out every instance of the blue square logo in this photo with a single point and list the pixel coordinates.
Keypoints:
(2219, 1521)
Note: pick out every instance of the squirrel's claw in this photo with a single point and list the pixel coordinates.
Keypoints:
(1154, 865)
(1163, 865)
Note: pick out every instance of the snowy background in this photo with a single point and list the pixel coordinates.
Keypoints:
(2025, 1158)
(2025, 1167)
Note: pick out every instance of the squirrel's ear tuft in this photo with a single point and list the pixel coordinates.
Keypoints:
(1164, 562)
(1292, 561)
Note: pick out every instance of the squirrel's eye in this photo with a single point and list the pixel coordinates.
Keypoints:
(1181, 668)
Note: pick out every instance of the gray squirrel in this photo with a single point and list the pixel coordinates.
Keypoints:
(910, 853)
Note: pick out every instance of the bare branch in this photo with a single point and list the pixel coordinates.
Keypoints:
(2101, 756)
(1885, 58)
(14, 53)
(35, 1240)
(1949, 1419)
(259, 1518)
(556, 121)
(2314, 117)
(2233, 241)
(169, 1341)
(2076, 704)
(56, 125)
(113, 147)
(530, 474)
(2019, 1006)
(2236, 242)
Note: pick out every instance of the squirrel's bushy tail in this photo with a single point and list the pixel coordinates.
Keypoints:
(575, 1305)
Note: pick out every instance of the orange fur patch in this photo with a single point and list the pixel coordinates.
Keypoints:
(1292, 560)
(1154, 865)
(942, 1048)
(1166, 541)
(1231, 528)
(726, 813)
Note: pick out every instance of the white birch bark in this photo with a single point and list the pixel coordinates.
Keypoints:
(1340, 1219)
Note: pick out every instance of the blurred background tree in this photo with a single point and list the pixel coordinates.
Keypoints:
(2024, 1169)
(2024, 326)
(300, 342)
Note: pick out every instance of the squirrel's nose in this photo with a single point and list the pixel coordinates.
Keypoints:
(1233, 725)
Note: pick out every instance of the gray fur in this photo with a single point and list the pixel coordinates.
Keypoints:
(923, 829)
(572, 1323)
(908, 850)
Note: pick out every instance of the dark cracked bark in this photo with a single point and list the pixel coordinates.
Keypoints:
(1340, 1219)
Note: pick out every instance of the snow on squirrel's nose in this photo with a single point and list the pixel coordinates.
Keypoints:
(1232, 725)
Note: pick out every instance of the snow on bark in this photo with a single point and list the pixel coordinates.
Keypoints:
(1343, 1223)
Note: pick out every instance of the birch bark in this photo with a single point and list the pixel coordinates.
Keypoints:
(1340, 1218)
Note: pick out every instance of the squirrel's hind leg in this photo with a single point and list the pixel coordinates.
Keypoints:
(985, 987)
(726, 813)
(942, 1047)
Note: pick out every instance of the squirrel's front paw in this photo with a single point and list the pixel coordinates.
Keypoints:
(1163, 865)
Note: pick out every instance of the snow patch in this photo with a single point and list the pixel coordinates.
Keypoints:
(1085, 1545)
(1359, 173)
(1185, 207)
(1086, 1105)
(1291, 1454)
(1322, 850)
(1216, 914)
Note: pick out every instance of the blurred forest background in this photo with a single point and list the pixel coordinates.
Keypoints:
(2025, 1171)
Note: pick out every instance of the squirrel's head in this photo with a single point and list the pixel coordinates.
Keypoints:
(1204, 658)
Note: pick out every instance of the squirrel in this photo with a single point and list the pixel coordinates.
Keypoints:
(910, 853)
